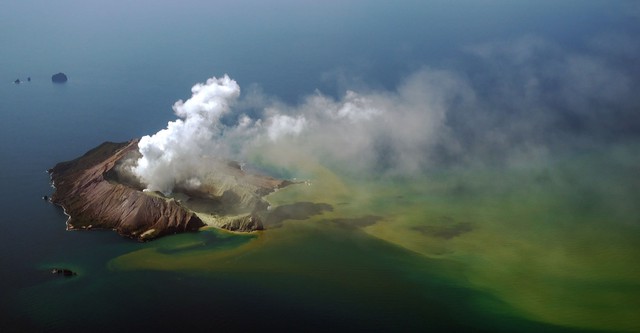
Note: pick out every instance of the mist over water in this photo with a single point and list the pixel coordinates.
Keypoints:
(528, 98)
(467, 166)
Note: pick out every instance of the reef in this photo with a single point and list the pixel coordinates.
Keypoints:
(99, 191)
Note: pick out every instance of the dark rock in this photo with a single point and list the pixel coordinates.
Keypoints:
(244, 223)
(17, 81)
(63, 271)
(29, 79)
(59, 78)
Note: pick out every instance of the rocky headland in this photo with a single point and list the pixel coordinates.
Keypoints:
(98, 190)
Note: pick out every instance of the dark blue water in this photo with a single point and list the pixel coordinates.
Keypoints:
(128, 63)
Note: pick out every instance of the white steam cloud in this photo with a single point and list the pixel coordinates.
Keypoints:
(512, 110)
(359, 130)
(172, 155)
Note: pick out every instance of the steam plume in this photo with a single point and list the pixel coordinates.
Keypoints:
(514, 109)
(171, 156)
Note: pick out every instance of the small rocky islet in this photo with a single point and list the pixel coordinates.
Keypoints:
(63, 272)
(59, 78)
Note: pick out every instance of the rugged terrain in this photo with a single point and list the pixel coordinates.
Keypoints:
(97, 190)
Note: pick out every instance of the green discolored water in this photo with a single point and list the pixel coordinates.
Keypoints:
(543, 246)
(549, 246)
(557, 242)
(532, 245)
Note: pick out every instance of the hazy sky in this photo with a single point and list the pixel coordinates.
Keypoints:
(267, 42)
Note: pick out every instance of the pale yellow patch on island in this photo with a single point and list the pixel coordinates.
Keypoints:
(320, 186)
(148, 234)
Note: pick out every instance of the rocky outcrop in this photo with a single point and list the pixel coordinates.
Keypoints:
(59, 78)
(98, 190)
(92, 201)
(64, 272)
(244, 222)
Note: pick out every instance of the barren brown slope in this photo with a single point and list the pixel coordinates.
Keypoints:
(91, 201)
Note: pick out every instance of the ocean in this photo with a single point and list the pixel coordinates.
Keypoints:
(513, 210)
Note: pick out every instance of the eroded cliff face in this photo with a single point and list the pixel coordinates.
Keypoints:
(96, 191)
(91, 201)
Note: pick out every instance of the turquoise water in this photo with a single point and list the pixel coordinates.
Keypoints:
(530, 244)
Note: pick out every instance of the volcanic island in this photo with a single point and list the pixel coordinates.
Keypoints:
(99, 190)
